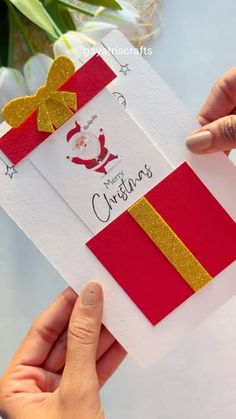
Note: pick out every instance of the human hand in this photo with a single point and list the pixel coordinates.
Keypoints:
(62, 362)
(218, 118)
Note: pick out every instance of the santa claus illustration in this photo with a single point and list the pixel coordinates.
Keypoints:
(89, 150)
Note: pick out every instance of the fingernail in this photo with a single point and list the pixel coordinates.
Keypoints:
(199, 142)
(91, 294)
(203, 121)
(70, 294)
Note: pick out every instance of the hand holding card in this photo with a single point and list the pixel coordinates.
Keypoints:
(157, 231)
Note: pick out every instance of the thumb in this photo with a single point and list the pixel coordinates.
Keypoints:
(219, 135)
(83, 334)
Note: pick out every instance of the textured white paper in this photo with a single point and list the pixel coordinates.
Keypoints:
(99, 198)
(166, 119)
(60, 235)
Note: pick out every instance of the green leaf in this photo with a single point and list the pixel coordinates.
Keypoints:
(73, 6)
(110, 4)
(4, 34)
(36, 12)
(60, 15)
(68, 19)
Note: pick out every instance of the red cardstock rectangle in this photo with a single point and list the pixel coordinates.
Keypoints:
(138, 265)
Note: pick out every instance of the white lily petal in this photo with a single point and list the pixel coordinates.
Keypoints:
(96, 30)
(126, 19)
(36, 71)
(74, 45)
(129, 8)
(12, 84)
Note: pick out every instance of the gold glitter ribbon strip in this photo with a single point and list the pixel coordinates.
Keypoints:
(169, 244)
(54, 107)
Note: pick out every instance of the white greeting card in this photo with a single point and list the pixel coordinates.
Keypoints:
(100, 161)
(47, 220)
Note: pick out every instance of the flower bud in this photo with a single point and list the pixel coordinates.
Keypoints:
(73, 45)
(126, 20)
(36, 71)
(95, 30)
(12, 84)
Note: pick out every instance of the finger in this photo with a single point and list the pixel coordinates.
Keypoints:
(203, 121)
(233, 111)
(109, 362)
(56, 359)
(220, 135)
(221, 100)
(106, 340)
(44, 332)
(83, 335)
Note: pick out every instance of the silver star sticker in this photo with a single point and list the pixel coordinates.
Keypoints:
(10, 171)
(124, 69)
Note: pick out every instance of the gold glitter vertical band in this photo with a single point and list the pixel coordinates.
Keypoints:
(169, 244)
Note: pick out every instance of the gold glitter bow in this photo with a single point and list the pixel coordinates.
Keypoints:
(54, 107)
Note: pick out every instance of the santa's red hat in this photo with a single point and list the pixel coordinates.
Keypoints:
(73, 131)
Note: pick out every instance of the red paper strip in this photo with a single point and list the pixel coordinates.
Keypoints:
(138, 265)
(86, 82)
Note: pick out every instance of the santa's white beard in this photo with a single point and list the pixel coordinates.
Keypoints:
(90, 150)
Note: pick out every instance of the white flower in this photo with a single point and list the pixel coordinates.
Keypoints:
(95, 30)
(74, 45)
(126, 20)
(12, 84)
(35, 71)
